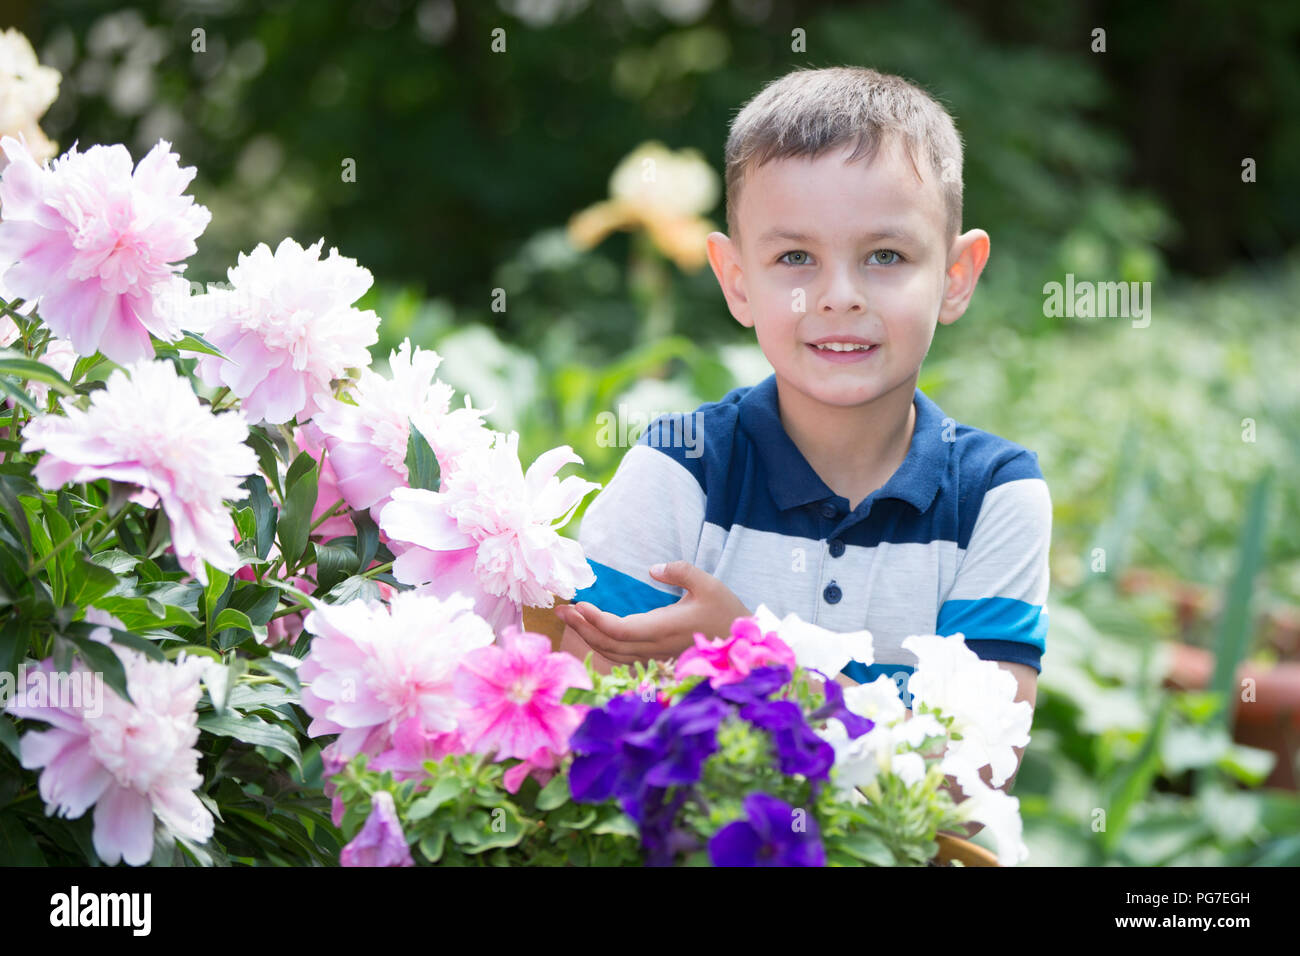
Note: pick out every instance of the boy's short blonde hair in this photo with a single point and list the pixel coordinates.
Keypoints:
(810, 111)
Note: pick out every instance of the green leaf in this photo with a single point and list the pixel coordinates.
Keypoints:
(620, 824)
(432, 845)
(9, 737)
(367, 538)
(334, 564)
(18, 395)
(256, 600)
(300, 499)
(267, 458)
(193, 342)
(213, 593)
(867, 847)
(94, 580)
(232, 618)
(421, 463)
(264, 512)
(253, 730)
(17, 846)
(83, 629)
(1236, 625)
(352, 589)
(555, 793)
(14, 512)
(444, 790)
(220, 681)
(100, 658)
(13, 363)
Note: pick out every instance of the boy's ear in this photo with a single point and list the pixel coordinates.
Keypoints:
(724, 257)
(969, 253)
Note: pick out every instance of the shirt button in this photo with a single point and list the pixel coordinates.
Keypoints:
(829, 510)
(836, 546)
(832, 594)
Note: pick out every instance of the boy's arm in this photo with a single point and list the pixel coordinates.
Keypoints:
(998, 600)
(651, 512)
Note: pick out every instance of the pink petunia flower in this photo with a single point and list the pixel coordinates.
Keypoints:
(514, 691)
(147, 428)
(492, 532)
(367, 442)
(381, 841)
(726, 661)
(131, 761)
(372, 667)
(98, 243)
(287, 327)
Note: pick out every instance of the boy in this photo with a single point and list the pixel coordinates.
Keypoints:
(835, 488)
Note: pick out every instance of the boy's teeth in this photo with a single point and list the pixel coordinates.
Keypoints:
(843, 347)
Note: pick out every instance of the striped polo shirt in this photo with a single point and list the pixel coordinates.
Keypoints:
(956, 541)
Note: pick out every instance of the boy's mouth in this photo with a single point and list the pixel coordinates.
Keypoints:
(851, 349)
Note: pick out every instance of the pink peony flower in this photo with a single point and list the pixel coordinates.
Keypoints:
(372, 667)
(730, 660)
(287, 327)
(148, 429)
(132, 761)
(367, 441)
(411, 747)
(97, 243)
(381, 841)
(514, 691)
(492, 532)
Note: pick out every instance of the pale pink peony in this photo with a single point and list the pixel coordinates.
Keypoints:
(372, 667)
(380, 842)
(726, 661)
(514, 691)
(367, 442)
(133, 761)
(148, 429)
(98, 243)
(492, 532)
(411, 747)
(287, 328)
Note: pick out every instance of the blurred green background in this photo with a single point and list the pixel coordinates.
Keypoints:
(1171, 448)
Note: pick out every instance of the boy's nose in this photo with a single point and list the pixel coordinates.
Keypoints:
(844, 292)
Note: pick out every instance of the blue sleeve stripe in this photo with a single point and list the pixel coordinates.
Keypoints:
(1013, 652)
(996, 618)
(621, 594)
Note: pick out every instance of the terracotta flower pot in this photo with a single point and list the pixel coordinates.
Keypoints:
(1271, 721)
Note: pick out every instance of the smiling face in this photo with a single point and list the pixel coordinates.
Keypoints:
(848, 253)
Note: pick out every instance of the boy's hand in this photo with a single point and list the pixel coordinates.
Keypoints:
(708, 606)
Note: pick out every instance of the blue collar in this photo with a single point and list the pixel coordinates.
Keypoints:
(792, 482)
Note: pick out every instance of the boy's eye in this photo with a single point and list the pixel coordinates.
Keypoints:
(891, 255)
(801, 260)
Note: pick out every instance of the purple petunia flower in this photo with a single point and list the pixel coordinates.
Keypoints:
(601, 768)
(855, 724)
(798, 748)
(761, 684)
(773, 834)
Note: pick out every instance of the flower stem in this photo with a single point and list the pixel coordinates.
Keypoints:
(329, 513)
(105, 531)
(379, 570)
